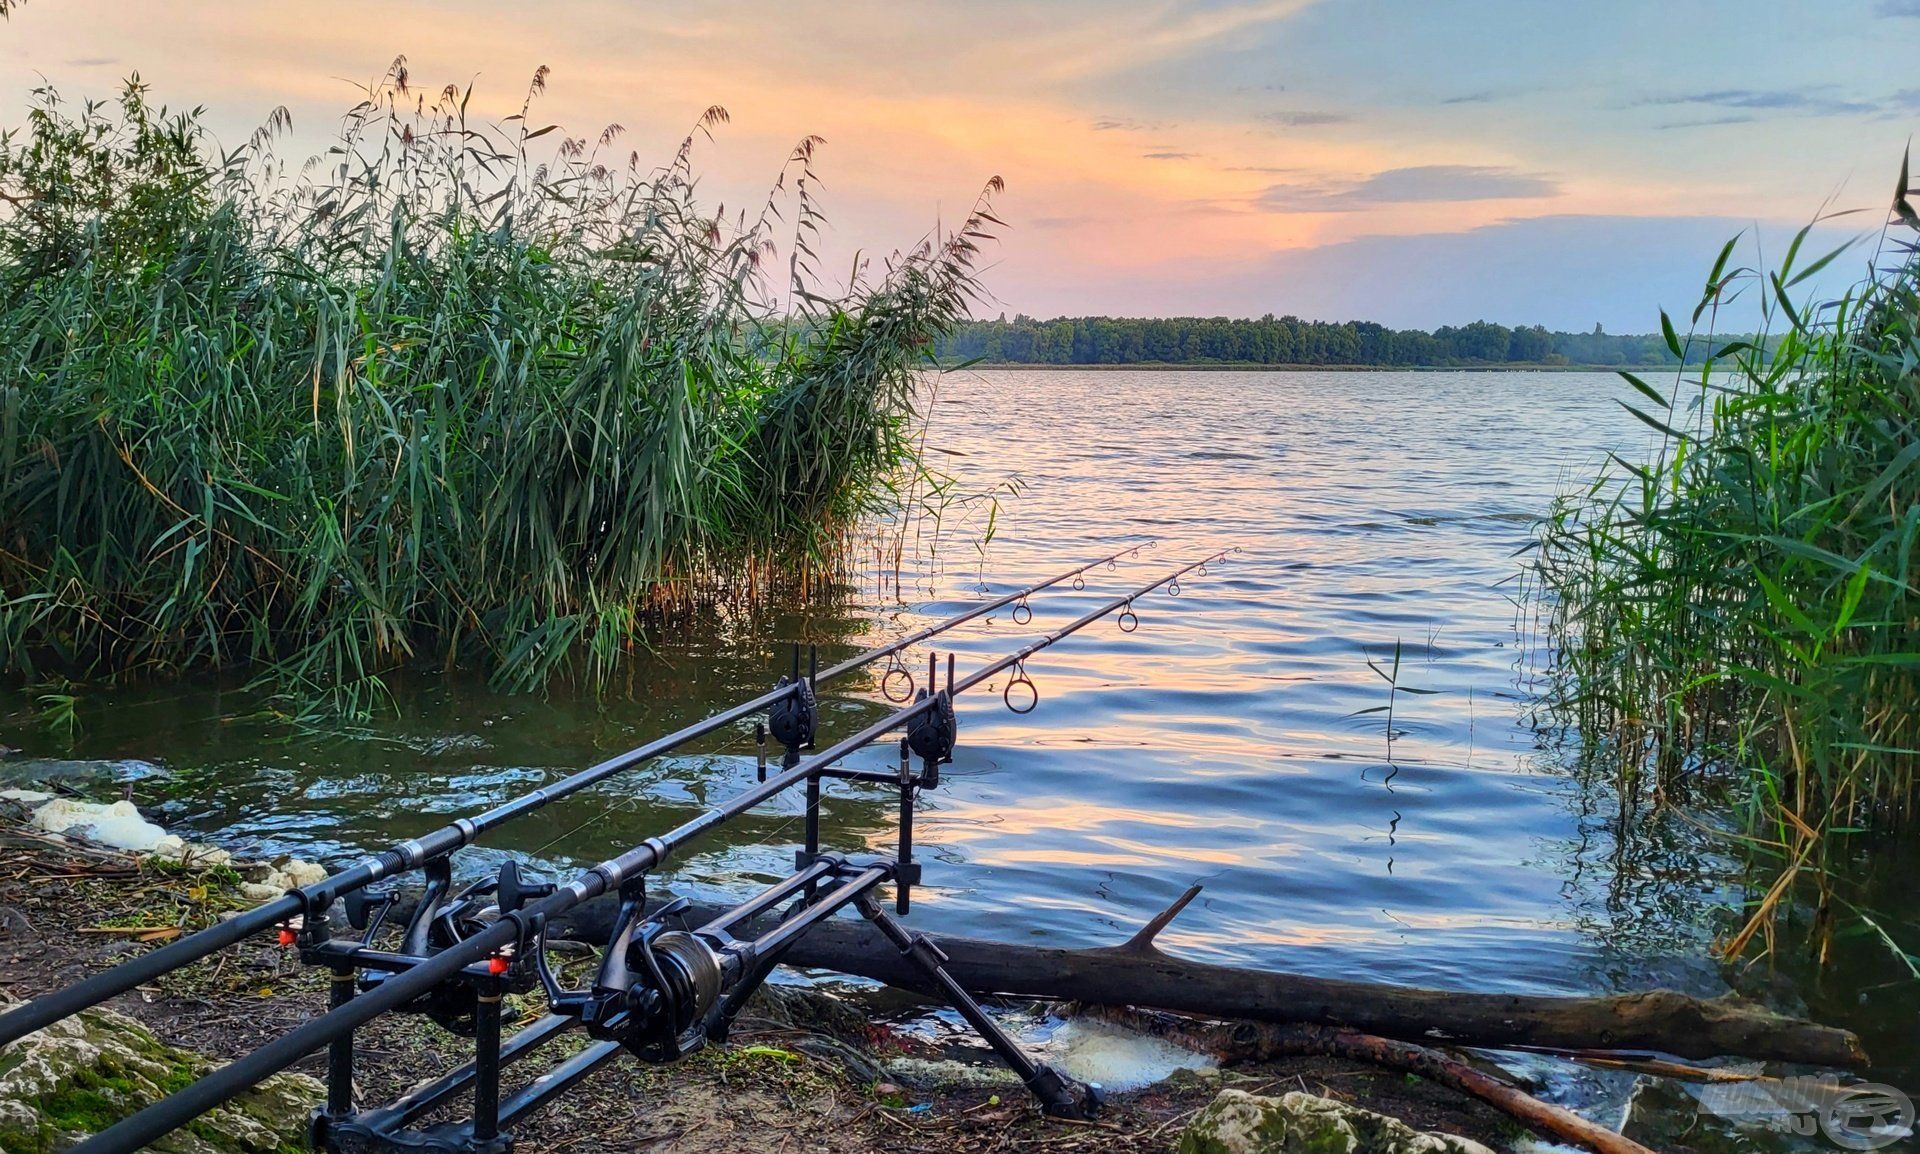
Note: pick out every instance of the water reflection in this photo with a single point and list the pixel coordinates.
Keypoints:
(1235, 740)
(1225, 741)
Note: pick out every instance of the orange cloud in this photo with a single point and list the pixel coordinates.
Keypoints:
(919, 104)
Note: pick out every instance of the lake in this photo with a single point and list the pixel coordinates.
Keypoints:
(1239, 739)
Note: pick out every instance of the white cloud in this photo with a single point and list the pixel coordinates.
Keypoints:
(1102, 48)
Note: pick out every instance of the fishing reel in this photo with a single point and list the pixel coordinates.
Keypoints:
(444, 919)
(658, 985)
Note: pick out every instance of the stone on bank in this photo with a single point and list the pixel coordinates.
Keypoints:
(1237, 1122)
(79, 1075)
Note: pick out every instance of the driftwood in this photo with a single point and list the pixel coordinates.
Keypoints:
(1137, 973)
(1649, 1064)
(1540, 1116)
(1259, 1042)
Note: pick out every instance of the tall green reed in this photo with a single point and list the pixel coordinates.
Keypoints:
(1742, 608)
(455, 392)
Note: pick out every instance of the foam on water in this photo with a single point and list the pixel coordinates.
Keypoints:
(118, 825)
(1117, 1058)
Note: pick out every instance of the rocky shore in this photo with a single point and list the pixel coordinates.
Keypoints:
(816, 1068)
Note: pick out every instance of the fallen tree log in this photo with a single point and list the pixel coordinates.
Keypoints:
(1137, 973)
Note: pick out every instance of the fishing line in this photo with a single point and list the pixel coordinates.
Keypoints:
(632, 800)
(416, 853)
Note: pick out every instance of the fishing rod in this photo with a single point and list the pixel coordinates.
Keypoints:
(464, 831)
(500, 950)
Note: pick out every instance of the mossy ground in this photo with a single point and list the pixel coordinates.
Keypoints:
(764, 1092)
(84, 1074)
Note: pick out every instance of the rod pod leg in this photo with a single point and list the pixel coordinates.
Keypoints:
(487, 1138)
(340, 1052)
(1059, 1095)
(339, 1104)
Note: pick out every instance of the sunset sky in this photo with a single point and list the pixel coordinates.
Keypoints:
(1412, 163)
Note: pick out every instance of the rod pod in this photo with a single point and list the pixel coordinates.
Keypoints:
(514, 930)
(314, 899)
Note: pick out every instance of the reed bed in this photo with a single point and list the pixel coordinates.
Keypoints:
(455, 393)
(1740, 612)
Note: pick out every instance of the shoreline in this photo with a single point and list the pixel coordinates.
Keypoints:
(810, 1068)
(1177, 367)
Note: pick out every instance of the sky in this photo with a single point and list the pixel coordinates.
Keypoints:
(1407, 162)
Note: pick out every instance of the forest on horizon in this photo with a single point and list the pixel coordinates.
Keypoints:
(1287, 340)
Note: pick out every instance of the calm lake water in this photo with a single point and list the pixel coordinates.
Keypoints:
(1236, 740)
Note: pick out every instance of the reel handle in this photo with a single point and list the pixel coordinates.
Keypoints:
(367, 909)
(512, 893)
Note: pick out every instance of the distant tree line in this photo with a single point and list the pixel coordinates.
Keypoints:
(1288, 340)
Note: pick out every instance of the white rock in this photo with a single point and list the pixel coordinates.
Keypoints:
(303, 873)
(259, 892)
(119, 825)
(27, 796)
(1237, 1122)
(176, 848)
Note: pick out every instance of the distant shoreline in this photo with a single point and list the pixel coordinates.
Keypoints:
(1252, 367)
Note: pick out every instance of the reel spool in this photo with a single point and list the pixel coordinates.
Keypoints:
(675, 980)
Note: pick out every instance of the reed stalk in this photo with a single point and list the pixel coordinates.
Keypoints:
(455, 393)
(1741, 609)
